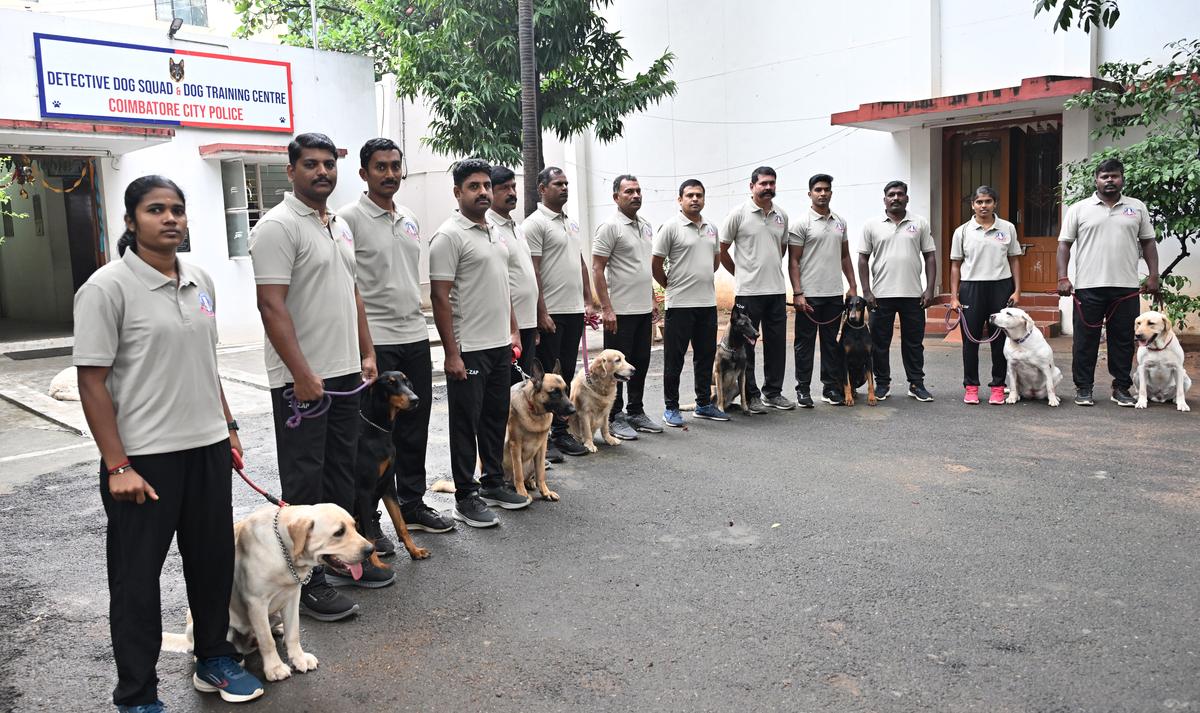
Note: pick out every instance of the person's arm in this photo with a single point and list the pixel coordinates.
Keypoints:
(443, 319)
(1014, 265)
(955, 277)
(513, 331)
(545, 323)
(727, 259)
(930, 278)
(1150, 255)
(864, 277)
(795, 254)
(281, 331)
(101, 417)
(656, 269)
(589, 304)
(234, 441)
(1065, 288)
(599, 262)
(848, 270)
(366, 349)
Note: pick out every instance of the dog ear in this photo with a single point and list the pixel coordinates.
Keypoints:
(300, 529)
(1168, 326)
(536, 372)
(1030, 323)
(557, 368)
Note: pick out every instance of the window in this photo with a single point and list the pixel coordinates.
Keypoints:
(265, 185)
(192, 12)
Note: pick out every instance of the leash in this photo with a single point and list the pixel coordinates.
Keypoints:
(1107, 315)
(516, 358)
(960, 322)
(589, 320)
(240, 467)
(300, 413)
(807, 313)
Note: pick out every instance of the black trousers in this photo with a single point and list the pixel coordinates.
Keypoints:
(632, 339)
(316, 460)
(478, 415)
(410, 434)
(769, 315)
(980, 300)
(912, 335)
(562, 346)
(528, 354)
(825, 309)
(1094, 303)
(697, 325)
(193, 505)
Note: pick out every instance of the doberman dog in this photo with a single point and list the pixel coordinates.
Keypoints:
(390, 395)
(729, 368)
(858, 364)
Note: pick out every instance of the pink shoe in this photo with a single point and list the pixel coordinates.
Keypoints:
(997, 397)
(972, 395)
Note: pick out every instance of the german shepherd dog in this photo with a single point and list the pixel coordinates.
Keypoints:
(729, 368)
(858, 366)
(390, 395)
(532, 406)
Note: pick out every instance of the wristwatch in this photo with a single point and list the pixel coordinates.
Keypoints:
(233, 426)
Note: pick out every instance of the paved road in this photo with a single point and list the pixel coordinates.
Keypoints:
(910, 557)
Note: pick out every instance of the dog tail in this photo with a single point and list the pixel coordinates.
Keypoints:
(442, 485)
(687, 407)
(179, 643)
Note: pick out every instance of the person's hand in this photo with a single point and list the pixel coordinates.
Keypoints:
(869, 297)
(236, 443)
(801, 304)
(589, 310)
(1065, 288)
(308, 387)
(546, 323)
(955, 305)
(130, 487)
(514, 339)
(1151, 287)
(927, 299)
(852, 292)
(610, 319)
(537, 338)
(1014, 299)
(369, 371)
(454, 367)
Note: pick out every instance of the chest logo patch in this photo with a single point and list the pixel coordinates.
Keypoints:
(710, 231)
(911, 229)
(410, 229)
(647, 231)
(573, 228)
(206, 305)
(778, 219)
(839, 226)
(1129, 211)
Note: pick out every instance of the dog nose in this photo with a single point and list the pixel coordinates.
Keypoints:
(414, 401)
(368, 550)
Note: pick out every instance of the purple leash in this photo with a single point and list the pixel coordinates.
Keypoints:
(960, 322)
(300, 413)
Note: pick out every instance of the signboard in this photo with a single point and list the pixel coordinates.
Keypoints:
(112, 81)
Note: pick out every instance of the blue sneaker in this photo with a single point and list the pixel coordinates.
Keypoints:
(711, 412)
(673, 418)
(155, 707)
(221, 674)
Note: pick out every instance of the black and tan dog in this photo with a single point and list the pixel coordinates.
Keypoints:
(858, 365)
(390, 395)
(729, 368)
(532, 406)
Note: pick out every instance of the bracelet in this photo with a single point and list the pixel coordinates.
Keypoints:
(121, 468)
(232, 425)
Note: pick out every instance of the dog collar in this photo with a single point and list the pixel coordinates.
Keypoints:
(287, 557)
(376, 425)
(1027, 336)
(1164, 346)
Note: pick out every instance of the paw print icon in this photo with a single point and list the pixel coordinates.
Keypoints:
(57, 104)
(282, 120)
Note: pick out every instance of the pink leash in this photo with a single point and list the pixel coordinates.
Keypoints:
(959, 322)
(299, 413)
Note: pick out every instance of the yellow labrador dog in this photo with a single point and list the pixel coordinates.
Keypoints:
(1032, 373)
(593, 391)
(1160, 376)
(275, 549)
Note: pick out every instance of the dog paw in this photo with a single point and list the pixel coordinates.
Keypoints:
(419, 553)
(1182, 406)
(591, 447)
(278, 672)
(304, 663)
(872, 401)
(1052, 400)
(550, 495)
(1012, 398)
(1141, 403)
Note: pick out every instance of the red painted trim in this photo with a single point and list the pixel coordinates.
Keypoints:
(1031, 89)
(235, 58)
(77, 127)
(213, 149)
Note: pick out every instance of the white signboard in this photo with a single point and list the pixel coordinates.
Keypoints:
(112, 81)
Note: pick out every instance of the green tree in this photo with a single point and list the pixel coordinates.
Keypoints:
(1091, 13)
(1159, 105)
(462, 56)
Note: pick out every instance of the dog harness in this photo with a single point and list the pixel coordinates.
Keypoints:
(287, 557)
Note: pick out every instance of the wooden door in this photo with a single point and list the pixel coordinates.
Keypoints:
(1039, 205)
(977, 158)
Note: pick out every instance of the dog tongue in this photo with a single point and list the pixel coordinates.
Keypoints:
(355, 570)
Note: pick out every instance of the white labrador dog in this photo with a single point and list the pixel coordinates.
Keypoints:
(275, 549)
(1032, 373)
(1160, 376)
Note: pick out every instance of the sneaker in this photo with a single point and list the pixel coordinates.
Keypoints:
(324, 603)
(755, 406)
(803, 400)
(155, 707)
(780, 402)
(426, 519)
(918, 392)
(221, 674)
(882, 391)
(1122, 397)
(553, 454)
(384, 547)
(711, 412)
(1083, 397)
(833, 398)
(369, 577)
(504, 496)
(997, 397)
(972, 395)
(569, 445)
(642, 422)
(621, 428)
(674, 419)
(473, 511)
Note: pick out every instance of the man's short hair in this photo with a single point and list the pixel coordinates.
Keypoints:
(310, 141)
(895, 184)
(1109, 165)
(469, 167)
(762, 171)
(381, 144)
(688, 184)
(502, 174)
(547, 174)
(820, 178)
(621, 179)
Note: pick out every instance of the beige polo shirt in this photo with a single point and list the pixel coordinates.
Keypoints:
(758, 240)
(1106, 241)
(555, 238)
(688, 249)
(626, 243)
(387, 254)
(984, 252)
(522, 282)
(822, 237)
(159, 338)
(897, 254)
(290, 246)
(475, 259)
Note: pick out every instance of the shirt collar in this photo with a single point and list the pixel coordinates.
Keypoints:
(814, 215)
(684, 220)
(977, 226)
(466, 223)
(153, 279)
(626, 220)
(887, 218)
(551, 214)
(498, 219)
(301, 208)
(754, 208)
(1099, 201)
(372, 208)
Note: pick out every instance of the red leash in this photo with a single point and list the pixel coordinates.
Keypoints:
(807, 312)
(1107, 315)
(239, 466)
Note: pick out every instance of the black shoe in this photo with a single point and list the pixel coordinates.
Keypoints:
(1083, 397)
(620, 427)
(567, 444)
(803, 400)
(426, 519)
(324, 603)
(881, 392)
(755, 406)
(918, 392)
(779, 401)
(1122, 397)
(384, 547)
(503, 495)
(642, 422)
(553, 454)
(473, 511)
(835, 399)
(372, 577)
